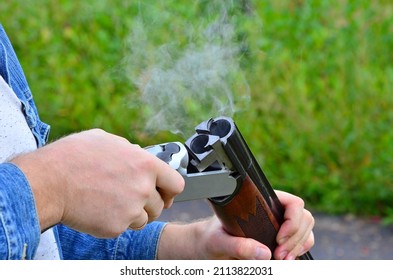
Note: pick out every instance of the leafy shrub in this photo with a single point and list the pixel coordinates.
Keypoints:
(318, 74)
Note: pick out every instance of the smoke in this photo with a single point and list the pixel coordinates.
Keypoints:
(182, 85)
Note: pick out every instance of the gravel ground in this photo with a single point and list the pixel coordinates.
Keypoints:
(336, 237)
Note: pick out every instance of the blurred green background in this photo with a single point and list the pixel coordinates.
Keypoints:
(319, 75)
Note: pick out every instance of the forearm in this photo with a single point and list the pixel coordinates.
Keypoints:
(40, 168)
(207, 240)
(180, 241)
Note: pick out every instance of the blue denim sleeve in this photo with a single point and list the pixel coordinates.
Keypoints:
(11, 71)
(19, 224)
(130, 245)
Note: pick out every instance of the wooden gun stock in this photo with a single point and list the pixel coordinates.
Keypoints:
(247, 214)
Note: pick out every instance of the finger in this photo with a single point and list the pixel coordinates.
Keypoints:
(308, 244)
(245, 249)
(140, 222)
(169, 183)
(292, 232)
(302, 246)
(305, 248)
(293, 216)
(304, 230)
(248, 249)
(154, 206)
(298, 243)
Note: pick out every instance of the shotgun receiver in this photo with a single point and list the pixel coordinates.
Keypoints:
(217, 164)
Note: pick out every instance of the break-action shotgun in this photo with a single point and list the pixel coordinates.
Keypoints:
(217, 164)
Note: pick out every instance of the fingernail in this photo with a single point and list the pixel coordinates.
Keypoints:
(262, 254)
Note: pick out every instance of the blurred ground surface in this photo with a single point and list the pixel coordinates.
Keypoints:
(336, 237)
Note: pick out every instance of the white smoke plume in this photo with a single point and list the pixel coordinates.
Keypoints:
(182, 86)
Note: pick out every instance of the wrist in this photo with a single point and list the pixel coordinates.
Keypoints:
(182, 241)
(39, 169)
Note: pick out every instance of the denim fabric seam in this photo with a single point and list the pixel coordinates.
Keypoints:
(4, 227)
(14, 76)
(21, 227)
(116, 246)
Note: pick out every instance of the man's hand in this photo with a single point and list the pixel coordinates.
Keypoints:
(295, 236)
(207, 239)
(98, 183)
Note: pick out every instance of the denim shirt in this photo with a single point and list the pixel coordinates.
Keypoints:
(19, 223)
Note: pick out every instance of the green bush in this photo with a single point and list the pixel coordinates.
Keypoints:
(319, 76)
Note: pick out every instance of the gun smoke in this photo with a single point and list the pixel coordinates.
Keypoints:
(181, 86)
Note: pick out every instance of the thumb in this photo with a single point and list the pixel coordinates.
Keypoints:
(246, 249)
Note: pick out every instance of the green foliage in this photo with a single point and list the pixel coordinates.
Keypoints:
(319, 74)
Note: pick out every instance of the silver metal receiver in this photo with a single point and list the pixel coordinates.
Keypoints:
(199, 185)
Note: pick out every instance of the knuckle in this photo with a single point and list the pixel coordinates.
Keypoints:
(136, 146)
(144, 192)
(242, 248)
(147, 162)
(310, 218)
(239, 249)
(97, 131)
(300, 202)
(180, 184)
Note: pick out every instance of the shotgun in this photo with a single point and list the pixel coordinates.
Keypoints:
(217, 164)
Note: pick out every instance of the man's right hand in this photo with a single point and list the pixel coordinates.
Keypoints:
(98, 183)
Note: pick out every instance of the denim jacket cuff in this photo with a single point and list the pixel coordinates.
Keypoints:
(19, 223)
(140, 245)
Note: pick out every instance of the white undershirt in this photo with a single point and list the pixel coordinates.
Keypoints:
(16, 138)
